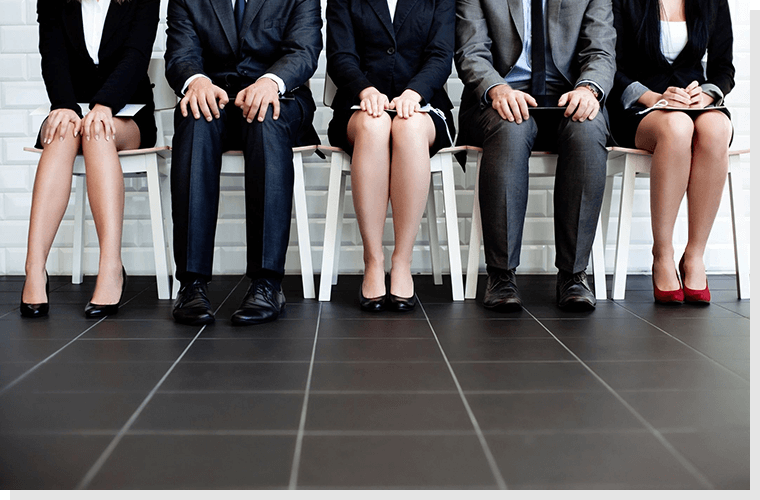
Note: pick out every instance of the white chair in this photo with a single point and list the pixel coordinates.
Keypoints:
(541, 164)
(134, 163)
(633, 162)
(340, 168)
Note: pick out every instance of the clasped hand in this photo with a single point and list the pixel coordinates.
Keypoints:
(374, 102)
(205, 98)
(690, 97)
(513, 105)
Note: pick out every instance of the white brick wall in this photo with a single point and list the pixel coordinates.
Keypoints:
(21, 90)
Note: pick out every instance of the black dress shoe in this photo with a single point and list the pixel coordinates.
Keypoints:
(376, 304)
(574, 292)
(263, 302)
(401, 304)
(99, 310)
(501, 292)
(36, 310)
(192, 306)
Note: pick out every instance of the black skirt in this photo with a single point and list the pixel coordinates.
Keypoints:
(625, 123)
(144, 119)
(337, 130)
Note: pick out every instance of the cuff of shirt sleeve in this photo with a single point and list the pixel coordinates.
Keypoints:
(280, 84)
(714, 92)
(632, 93)
(485, 94)
(598, 88)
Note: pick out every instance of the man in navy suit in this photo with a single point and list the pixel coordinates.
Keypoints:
(257, 57)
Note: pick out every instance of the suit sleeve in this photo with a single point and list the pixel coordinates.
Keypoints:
(55, 58)
(133, 66)
(343, 63)
(720, 68)
(184, 53)
(596, 45)
(438, 53)
(472, 56)
(625, 89)
(301, 45)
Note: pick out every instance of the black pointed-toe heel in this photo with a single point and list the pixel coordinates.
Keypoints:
(99, 310)
(36, 310)
(375, 304)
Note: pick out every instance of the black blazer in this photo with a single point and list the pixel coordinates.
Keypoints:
(634, 64)
(120, 78)
(364, 49)
(282, 37)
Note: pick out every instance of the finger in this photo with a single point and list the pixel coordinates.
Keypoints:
(96, 129)
(87, 126)
(691, 86)
(212, 107)
(514, 110)
(52, 128)
(240, 98)
(393, 104)
(263, 108)
(77, 127)
(523, 107)
(496, 105)
(203, 105)
(594, 110)
(276, 109)
(112, 124)
(183, 106)
(584, 108)
(194, 107)
(530, 100)
(62, 128)
(251, 100)
(562, 100)
(223, 98)
(571, 105)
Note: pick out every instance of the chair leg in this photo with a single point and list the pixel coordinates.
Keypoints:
(302, 225)
(331, 245)
(339, 225)
(157, 228)
(740, 229)
(622, 244)
(165, 185)
(80, 197)
(606, 206)
(476, 234)
(597, 258)
(435, 243)
(452, 227)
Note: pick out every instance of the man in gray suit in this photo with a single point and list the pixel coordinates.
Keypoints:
(518, 59)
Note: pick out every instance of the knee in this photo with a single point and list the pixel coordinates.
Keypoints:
(676, 129)
(410, 129)
(585, 134)
(378, 128)
(712, 133)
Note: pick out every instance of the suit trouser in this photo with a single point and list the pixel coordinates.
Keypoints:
(578, 185)
(196, 164)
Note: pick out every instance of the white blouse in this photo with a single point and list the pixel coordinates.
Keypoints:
(673, 38)
(93, 18)
(392, 8)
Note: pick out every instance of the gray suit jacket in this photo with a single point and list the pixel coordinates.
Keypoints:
(489, 40)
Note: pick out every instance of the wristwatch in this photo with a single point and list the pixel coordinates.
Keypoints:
(593, 88)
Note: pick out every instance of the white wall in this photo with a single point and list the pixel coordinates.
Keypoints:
(22, 90)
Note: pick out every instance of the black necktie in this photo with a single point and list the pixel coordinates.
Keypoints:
(239, 14)
(538, 62)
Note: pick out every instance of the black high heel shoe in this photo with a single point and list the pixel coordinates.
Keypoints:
(36, 310)
(100, 310)
(402, 304)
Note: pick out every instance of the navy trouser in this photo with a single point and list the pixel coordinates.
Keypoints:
(196, 163)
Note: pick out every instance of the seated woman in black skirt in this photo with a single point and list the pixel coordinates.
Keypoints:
(94, 52)
(660, 47)
(390, 59)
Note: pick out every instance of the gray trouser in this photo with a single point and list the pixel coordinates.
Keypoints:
(578, 185)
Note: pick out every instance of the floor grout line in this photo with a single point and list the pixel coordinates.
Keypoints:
(696, 473)
(293, 483)
(32, 369)
(486, 450)
(93, 471)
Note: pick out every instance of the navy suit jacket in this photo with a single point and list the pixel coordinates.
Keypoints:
(415, 51)
(281, 37)
(120, 78)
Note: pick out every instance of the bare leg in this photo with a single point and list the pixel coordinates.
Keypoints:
(669, 136)
(370, 171)
(709, 168)
(50, 197)
(105, 189)
(410, 181)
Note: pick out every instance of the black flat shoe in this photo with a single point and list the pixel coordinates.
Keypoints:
(36, 310)
(402, 304)
(376, 304)
(263, 302)
(192, 306)
(99, 310)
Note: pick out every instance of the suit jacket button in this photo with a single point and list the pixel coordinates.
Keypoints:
(391, 51)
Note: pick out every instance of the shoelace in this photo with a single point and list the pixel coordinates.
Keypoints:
(505, 277)
(260, 288)
(190, 290)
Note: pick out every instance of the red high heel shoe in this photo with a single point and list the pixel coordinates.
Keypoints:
(691, 295)
(669, 297)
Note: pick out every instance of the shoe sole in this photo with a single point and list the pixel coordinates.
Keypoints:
(238, 322)
(197, 322)
(579, 306)
(505, 307)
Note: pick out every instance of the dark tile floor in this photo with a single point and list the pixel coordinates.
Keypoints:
(633, 395)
